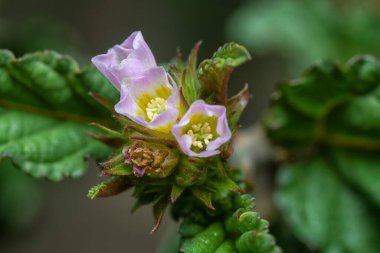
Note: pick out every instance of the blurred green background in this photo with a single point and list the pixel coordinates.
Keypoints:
(284, 37)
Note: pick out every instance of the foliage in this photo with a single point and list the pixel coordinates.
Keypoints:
(327, 123)
(45, 110)
(304, 31)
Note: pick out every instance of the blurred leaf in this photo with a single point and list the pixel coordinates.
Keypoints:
(214, 73)
(330, 105)
(327, 121)
(45, 110)
(361, 169)
(304, 31)
(324, 211)
(19, 192)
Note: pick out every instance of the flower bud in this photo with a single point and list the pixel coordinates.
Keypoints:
(154, 160)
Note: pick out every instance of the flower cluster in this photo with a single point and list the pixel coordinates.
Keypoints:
(150, 97)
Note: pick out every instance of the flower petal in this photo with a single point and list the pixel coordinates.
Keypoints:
(130, 58)
(199, 107)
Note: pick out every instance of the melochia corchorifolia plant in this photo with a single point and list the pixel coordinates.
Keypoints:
(176, 128)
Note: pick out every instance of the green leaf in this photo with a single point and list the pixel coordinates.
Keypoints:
(324, 31)
(361, 169)
(44, 113)
(214, 73)
(329, 104)
(324, 211)
(113, 186)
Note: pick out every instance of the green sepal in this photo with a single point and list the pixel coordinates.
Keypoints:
(113, 186)
(203, 195)
(190, 83)
(236, 105)
(176, 192)
(122, 169)
(158, 212)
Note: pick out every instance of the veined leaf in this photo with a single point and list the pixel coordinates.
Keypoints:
(44, 113)
(214, 73)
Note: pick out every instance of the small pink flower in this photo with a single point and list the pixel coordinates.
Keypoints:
(130, 58)
(150, 100)
(202, 130)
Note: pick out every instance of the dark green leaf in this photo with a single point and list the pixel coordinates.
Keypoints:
(44, 113)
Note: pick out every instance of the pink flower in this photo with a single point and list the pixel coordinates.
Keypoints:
(150, 100)
(130, 58)
(202, 130)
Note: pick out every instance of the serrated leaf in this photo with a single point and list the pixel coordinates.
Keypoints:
(108, 188)
(214, 73)
(308, 191)
(44, 113)
(331, 104)
(203, 195)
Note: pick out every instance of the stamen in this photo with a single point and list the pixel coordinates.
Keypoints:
(200, 135)
(155, 107)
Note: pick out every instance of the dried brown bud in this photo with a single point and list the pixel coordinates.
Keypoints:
(154, 160)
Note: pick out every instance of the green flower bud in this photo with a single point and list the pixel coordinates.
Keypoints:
(206, 241)
(226, 247)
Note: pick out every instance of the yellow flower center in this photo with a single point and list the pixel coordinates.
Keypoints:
(155, 107)
(200, 135)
